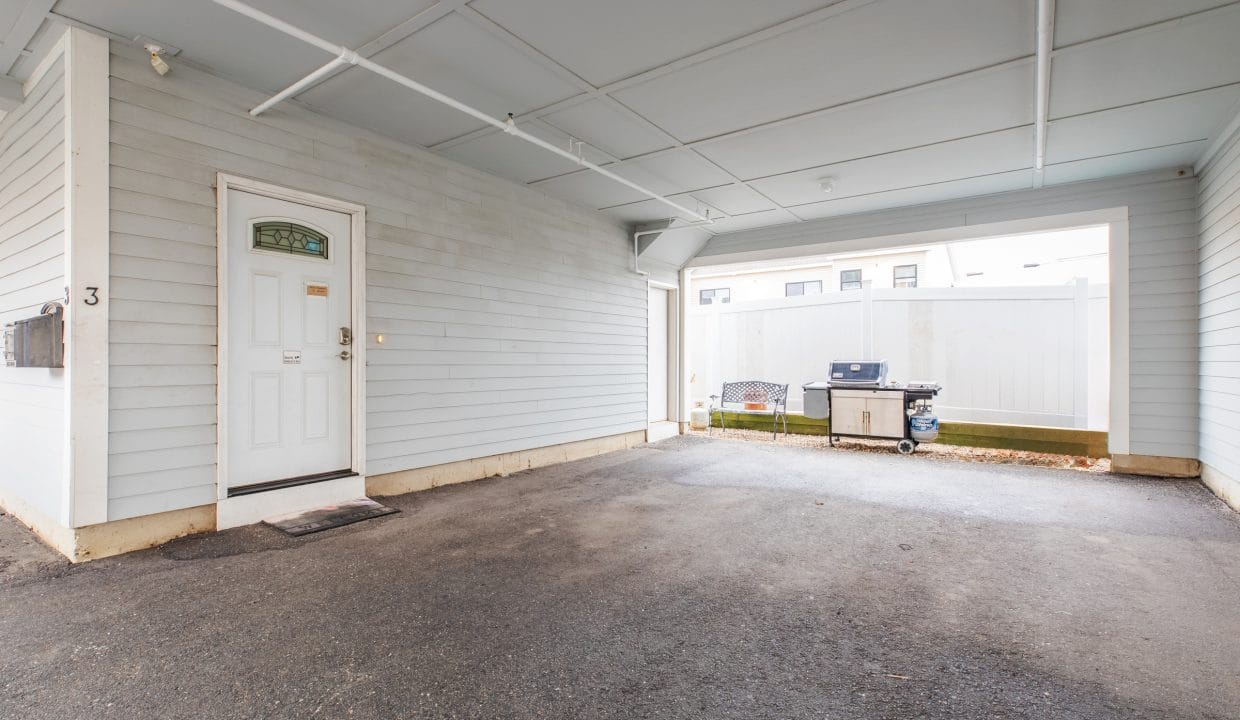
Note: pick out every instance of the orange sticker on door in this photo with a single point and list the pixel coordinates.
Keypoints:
(316, 290)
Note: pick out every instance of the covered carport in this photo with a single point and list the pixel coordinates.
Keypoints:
(489, 211)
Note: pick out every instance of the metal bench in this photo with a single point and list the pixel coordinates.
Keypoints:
(773, 395)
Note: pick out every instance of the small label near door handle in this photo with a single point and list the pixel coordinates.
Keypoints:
(345, 355)
(346, 336)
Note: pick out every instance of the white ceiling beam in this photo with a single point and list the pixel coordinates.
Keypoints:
(24, 28)
(1042, 87)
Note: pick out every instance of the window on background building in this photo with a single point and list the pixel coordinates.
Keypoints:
(808, 287)
(715, 295)
(905, 276)
(850, 279)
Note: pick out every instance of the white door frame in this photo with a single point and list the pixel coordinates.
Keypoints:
(357, 279)
(674, 324)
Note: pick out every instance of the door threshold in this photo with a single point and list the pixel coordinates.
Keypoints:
(233, 512)
(289, 482)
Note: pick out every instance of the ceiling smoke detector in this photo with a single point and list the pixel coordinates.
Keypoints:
(157, 62)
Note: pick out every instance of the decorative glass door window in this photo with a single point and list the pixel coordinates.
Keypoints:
(288, 237)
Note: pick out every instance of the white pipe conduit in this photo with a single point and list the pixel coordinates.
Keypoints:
(1046, 37)
(346, 56)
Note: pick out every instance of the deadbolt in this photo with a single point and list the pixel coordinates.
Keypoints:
(346, 336)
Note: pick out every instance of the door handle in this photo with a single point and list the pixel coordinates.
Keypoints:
(345, 355)
(346, 336)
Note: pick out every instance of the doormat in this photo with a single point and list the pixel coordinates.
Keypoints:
(331, 516)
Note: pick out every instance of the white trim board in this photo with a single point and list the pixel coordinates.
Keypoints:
(87, 248)
(357, 213)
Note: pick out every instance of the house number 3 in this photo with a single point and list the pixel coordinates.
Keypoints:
(94, 296)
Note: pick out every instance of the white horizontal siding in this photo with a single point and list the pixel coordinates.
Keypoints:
(1218, 281)
(1163, 287)
(32, 272)
(511, 319)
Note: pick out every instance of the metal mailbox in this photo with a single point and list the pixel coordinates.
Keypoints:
(37, 341)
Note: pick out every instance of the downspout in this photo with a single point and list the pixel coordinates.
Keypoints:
(1045, 45)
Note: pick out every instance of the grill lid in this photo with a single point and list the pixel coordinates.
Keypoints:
(858, 373)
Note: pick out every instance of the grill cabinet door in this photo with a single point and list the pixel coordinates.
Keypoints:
(886, 414)
(848, 408)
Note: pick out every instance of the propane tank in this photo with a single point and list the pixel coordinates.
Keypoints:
(699, 417)
(923, 425)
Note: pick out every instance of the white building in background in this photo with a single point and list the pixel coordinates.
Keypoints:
(1046, 259)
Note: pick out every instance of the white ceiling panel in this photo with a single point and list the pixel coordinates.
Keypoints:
(970, 157)
(455, 57)
(666, 173)
(1200, 52)
(512, 158)
(238, 47)
(970, 105)
(767, 218)
(938, 192)
(606, 40)
(1080, 20)
(734, 199)
(608, 129)
(1170, 121)
(596, 191)
(367, 100)
(877, 48)
(679, 170)
(729, 200)
(1153, 159)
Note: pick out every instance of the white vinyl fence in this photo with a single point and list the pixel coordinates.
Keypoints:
(1019, 355)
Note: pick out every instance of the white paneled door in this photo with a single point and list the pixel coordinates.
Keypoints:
(289, 342)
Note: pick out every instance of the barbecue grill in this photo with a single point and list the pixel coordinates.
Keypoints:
(863, 403)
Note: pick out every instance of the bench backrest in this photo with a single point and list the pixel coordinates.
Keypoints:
(736, 392)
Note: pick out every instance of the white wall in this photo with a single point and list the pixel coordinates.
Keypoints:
(992, 369)
(512, 320)
(32, 272)
(1219, 287)
(1161, 290)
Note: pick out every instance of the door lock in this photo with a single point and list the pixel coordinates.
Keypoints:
(346, 336)
(345, 355)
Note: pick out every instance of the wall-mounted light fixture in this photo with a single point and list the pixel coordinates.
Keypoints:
(157, 61)
(826, 184)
